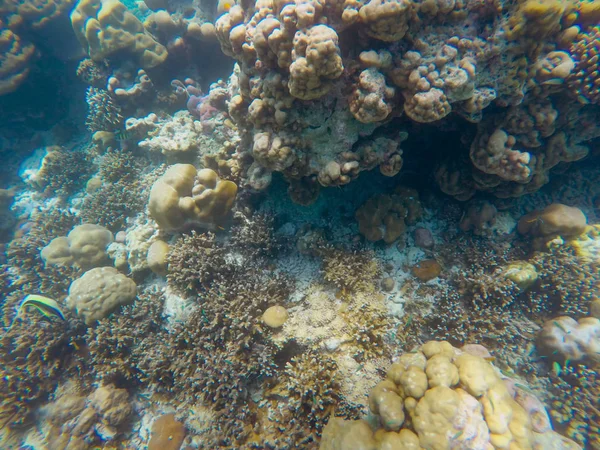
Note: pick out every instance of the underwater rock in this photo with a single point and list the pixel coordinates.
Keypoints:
(424, 238)
(387, 284)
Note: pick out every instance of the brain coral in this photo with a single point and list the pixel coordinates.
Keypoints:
(105, 27)
(185, 196)
(98, 292)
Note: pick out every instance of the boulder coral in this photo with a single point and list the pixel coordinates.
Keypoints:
(98, 292)
(84, 246)
(106, 27)
(184, 196)
(440, 397)
(385, 217)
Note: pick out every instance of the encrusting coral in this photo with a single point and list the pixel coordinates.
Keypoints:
(385, 217)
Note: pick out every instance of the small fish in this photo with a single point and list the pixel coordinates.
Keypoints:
(557, 324)
(556, 368)
(457, 435)
(47, 306)
(121, 135)
(408, 321)
(524, 388)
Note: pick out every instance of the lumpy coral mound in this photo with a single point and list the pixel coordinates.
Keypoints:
(441, 397)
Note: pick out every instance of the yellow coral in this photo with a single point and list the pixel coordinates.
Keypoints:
(537, 19)
(15, 57)
(105, 27)
(464, 403)
(184, 196)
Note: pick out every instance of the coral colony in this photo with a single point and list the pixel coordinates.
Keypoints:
(300, 224)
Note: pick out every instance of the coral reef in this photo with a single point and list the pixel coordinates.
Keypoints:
(283, 225)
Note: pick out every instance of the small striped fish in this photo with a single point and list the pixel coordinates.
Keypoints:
(47, 306)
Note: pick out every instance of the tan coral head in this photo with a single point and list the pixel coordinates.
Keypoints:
(184, 197)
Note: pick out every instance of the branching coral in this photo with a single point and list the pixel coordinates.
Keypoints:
(103, 113)
(350, 270)
(124, 349)
(61, 171)
(196, 262)
(33, 356)
(573, 409)
(312, 387)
